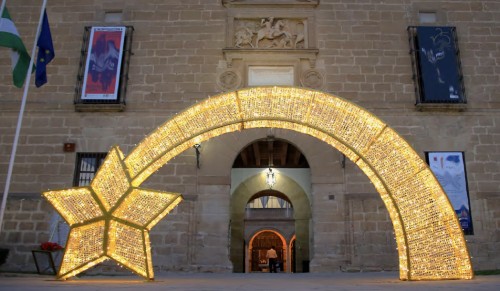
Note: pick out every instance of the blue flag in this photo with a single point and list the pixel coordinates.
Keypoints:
(45, 52)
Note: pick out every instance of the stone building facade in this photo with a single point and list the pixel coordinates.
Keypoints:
(182, 52)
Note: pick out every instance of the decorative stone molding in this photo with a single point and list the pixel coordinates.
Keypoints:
(272, 29)
(266, 55)
(312, 79)
(270, 33)
(229, 80)
(239, 61)
(268, 3)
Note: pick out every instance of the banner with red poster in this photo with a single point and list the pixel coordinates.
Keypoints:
(102, 70)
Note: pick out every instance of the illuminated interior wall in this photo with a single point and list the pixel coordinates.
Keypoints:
(429, 238)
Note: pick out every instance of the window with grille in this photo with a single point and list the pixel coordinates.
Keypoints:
(437, 71)
(87, 165)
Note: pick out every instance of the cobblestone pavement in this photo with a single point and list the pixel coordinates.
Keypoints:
(242, 282)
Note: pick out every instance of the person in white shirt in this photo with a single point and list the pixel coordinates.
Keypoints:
(272, 256)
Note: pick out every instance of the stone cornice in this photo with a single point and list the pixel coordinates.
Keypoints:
(269, 3)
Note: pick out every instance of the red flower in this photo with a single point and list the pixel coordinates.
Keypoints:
(50, 246)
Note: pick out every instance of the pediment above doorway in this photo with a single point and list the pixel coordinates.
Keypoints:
(278, 36)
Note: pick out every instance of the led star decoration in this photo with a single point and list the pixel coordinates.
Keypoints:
(110, 219)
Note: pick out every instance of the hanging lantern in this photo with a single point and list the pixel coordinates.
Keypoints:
(270, 178)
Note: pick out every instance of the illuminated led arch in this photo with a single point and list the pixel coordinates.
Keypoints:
(430, 241)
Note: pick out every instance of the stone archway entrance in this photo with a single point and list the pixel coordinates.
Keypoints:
(274, 208)
(430, 241)
(301, 211)
(258, 246)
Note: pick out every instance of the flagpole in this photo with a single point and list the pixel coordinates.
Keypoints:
(2, 8)
(20, 117)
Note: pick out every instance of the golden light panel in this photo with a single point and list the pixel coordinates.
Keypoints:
(110, 219)
(430, 242)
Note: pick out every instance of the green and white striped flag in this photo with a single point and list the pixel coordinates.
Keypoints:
(9, 37)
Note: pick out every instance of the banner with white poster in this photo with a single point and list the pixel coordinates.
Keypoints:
(449, 169)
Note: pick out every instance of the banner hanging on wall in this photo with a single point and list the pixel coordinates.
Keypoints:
(440, 75)
(103, 65)
(449, 169)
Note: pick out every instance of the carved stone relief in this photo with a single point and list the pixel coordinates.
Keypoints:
(312, 79)
(229, 80)
(270, 33)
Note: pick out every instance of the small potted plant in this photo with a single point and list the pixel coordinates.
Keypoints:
(47, 258)
(50, 246)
